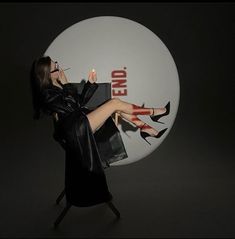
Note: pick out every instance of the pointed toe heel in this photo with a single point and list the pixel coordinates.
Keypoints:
(160, 133)
(155, 118)
(144, 135)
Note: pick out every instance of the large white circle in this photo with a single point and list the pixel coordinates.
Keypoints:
(111, 44)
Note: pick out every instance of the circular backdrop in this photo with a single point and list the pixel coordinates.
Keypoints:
(134, 60)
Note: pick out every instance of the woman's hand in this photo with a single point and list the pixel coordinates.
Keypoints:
(92, 76)
(62, 77)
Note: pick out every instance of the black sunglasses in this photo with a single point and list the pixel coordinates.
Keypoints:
(56, 67)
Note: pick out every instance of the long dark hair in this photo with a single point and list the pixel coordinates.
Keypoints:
(39, 80)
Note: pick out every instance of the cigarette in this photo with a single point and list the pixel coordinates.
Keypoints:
(66, 69)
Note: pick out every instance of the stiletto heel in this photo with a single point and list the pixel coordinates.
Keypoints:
(155, 118)
(125, 126)
(144, 135)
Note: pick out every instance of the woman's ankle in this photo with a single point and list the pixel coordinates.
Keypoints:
(144, 126)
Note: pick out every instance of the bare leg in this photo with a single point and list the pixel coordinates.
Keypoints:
(98, 116)
(132, 118)
(134, 109)
(139, 123)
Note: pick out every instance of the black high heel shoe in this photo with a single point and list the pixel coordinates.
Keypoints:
(144, 135)
(155, 118)
(125, 126)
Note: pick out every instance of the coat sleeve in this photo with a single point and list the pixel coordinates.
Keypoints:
(87, 91)
(70, 89)
(55, 102)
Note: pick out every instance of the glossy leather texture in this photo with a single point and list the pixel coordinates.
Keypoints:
(87, 153)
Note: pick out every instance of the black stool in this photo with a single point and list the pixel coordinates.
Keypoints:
(68, 206)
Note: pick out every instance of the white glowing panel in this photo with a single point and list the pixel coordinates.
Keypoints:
(122, 49)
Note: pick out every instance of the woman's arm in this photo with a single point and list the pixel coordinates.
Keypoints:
(62, 77)
(92, 77)
(89, 88)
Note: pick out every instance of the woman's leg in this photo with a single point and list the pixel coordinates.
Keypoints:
(132, 118)
(139, 123)
(98, 116)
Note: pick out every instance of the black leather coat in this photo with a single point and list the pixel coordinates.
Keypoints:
(87, 153)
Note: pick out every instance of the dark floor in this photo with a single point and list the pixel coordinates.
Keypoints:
(184, 189)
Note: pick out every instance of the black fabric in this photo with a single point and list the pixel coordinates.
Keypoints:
(86, 153)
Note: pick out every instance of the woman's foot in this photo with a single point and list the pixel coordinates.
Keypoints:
(148, 129)
(158, 111)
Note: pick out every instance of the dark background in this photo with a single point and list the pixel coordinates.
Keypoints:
(183, 189)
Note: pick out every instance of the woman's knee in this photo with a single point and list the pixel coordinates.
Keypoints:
(116, 99)
(117, 103)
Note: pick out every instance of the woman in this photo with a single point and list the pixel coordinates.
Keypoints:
(80, 130)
